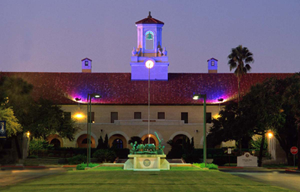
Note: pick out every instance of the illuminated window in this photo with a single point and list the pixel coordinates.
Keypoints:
(185, 117)
(161, 115)
(118, 143)
(149, 40)
(113, 116)
(137, 115)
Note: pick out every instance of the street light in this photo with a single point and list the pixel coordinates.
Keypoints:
(89, 114)
(149, 64)
(197, 97)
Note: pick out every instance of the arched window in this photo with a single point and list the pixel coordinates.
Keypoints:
(118, 143)
(55, 143)
(149, 40)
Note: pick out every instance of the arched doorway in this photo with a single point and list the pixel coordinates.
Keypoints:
(153, 139)
(118, 141)
(55, 140)
(82, 141)
(181, 139)
(179, 145)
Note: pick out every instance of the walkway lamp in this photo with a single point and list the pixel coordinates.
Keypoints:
(89, 122)
(197, 97)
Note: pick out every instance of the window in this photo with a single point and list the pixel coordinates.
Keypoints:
(149, 40)
(185, 117)
(118, 143)
(161, 115)
(113, 116)
(208, 117)
(93, 117)
(212, 63)
(137, 115)
(86, 63)
(67, 115)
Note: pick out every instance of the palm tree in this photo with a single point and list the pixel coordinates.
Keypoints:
(239, 59)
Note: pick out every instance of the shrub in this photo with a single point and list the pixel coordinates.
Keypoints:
(105, 155)
(208, 165)
(82, 166)
(77, 159)
(37, 145)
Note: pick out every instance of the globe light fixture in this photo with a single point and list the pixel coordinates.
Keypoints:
(28, 134)
(149, 64)
(270, 134)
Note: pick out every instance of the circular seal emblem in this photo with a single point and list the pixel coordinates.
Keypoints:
(147, 162)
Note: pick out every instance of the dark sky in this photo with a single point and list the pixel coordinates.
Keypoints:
(53, 36)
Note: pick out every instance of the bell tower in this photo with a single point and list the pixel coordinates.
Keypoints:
(149, 50)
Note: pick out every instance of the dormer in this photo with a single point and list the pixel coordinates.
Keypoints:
(212, 65)
(86, 65)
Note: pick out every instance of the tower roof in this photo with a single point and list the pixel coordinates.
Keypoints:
(149, 20)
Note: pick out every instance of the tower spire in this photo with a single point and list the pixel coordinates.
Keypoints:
(149, 16)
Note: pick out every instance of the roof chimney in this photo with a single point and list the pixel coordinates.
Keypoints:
(86, 65)
(212, 65)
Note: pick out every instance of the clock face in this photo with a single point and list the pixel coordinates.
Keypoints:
(149, 64)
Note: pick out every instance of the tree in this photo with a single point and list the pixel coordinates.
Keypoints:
(230, 126)
(262, 109)
(106, 142)
(13, 127)
(15, 94)
(239, 59)
(289, 88)
(100, 143)
(48, 118)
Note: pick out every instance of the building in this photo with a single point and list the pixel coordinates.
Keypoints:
(122, 111)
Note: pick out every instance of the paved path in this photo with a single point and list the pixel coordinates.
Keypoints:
(277, 178)
(11, 177)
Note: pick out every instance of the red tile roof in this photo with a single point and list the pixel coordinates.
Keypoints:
(117, 88)
(149, 20)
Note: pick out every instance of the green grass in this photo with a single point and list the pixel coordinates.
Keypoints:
(182, 179)
(82, 166)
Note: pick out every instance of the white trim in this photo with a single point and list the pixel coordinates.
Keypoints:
(180, 133)
(120, 133)
(85, 132)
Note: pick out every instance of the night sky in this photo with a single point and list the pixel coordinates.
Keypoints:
(53, 36)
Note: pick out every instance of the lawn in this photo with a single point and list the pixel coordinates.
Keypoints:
(177, 179)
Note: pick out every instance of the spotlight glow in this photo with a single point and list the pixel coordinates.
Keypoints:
(79, 116)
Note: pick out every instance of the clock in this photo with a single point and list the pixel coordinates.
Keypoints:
(149, 63)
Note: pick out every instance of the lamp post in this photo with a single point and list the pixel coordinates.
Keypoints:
(197, 97)
(89, 127)
(149, 64)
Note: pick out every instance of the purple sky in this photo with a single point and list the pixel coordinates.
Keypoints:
(53, 36)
